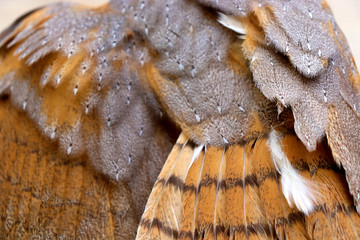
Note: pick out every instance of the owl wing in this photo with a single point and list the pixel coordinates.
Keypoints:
(83, 138)
(48, 195)
(268, 112)
(242, 166)
(321, 83)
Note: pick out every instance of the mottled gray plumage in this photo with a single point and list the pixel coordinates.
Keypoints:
(115, 99)
(203, 90)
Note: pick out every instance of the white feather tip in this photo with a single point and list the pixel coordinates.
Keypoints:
(296, 189)
(231, 23)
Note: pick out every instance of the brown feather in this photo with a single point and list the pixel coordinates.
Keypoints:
(113, 86)
(45, 195)
(234, 193)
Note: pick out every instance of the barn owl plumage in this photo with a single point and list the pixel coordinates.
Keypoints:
(170, 119)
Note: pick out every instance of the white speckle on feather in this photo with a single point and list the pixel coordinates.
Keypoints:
(219, 110)
(240, 10)
(75, 89)
(171, 45)
(58, 78)
(70, 53)
(324, 92)
(296, 189)
(310, 14)
(68, 150)
(241, 108)
(225, 141)
(193, 71)
(197, 117)
(84, 69)
(142, 59)
(52, 135)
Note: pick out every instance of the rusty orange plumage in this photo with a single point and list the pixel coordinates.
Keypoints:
(261, 112)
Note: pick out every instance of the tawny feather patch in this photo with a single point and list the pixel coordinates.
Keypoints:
(257, 99)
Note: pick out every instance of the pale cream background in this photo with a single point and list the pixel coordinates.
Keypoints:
(347, 14)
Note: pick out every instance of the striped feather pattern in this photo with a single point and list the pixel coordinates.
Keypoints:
(45, 195)
(234, 192)
(110, 88)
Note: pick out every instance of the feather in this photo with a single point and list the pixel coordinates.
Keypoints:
(162, 214)
(116, 85)
(343, 138)
(232, 24)
(44, 194)
(235, 193)
(73, 95)
(295, 188)
(58, 73)
(300, 75)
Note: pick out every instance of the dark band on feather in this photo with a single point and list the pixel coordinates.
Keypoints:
(338, 208)
(145, 223)
(292, 218)
(250, 229)
(251, 180)
(207, 181)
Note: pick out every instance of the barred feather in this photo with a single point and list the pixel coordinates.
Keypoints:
(114, 85)
(235, 193)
